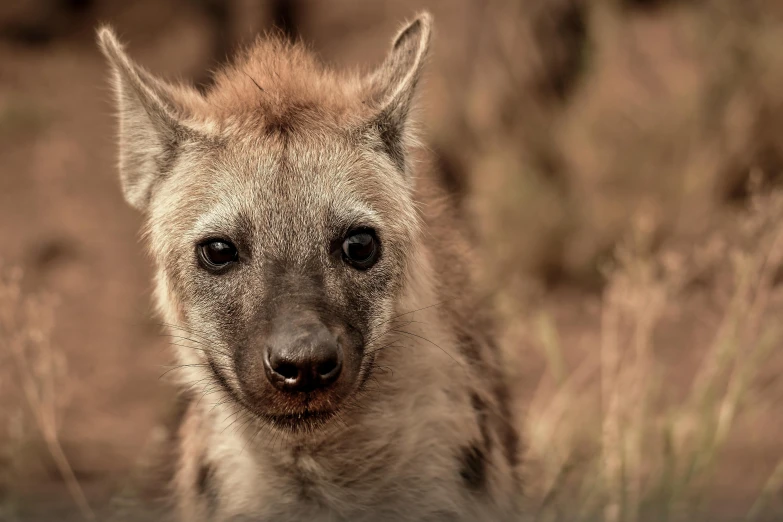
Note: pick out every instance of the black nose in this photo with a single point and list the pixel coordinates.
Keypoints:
(303, 358)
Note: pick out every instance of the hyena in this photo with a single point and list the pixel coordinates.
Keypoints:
(335, 357)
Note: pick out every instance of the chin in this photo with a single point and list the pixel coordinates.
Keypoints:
(305, 422)
(302, 415)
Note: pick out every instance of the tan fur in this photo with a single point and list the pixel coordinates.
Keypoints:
(281, 149)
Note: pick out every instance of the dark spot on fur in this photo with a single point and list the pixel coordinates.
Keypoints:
(482, 417)
(500, 421)
(469, 345)
(509, 437)
(473, 467)
(492, 418)
(204, 477)
(205, 483)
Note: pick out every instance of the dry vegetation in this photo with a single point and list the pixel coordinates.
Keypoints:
(604, 149)
(34, 385)
(609, 439)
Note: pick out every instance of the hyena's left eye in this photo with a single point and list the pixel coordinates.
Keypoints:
(216, 254)
(361, 249)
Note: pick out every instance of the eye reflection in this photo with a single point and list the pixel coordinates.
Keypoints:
(361, 248)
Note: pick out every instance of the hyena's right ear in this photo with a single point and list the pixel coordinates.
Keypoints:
(150, 116)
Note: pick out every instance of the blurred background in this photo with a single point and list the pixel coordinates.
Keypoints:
(619, 161)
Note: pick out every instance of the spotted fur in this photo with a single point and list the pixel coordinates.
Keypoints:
(284, 155)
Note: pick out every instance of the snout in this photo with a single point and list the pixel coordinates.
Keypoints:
(303, 358)
(299, 367)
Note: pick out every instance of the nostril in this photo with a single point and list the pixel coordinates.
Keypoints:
(303, 361)
(286, 370)
(327, 367)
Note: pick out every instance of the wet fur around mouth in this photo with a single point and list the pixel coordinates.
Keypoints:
(306, 420)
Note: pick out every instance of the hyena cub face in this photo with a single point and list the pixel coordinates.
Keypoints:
(280, 217)
(288, 258)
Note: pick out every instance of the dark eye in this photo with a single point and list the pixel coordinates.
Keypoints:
(216, 254)
(361, 249)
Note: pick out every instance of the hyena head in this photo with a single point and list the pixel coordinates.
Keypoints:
(280, 217)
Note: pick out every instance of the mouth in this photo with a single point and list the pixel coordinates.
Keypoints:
(304, 421)
(305, 417)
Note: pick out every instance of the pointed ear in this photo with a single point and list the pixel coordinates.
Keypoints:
(393, 84)
(150, 112)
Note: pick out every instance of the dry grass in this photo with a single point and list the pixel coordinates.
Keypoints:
(620, 183)
(606, 440)
(33, 373)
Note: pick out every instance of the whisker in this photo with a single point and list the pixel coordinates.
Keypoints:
(232, 422)
(418, 310)
(179, 367)
(382, 347)
(429, 341)
(198, 348)
(385, 332)
(183, 338)
(193, 331)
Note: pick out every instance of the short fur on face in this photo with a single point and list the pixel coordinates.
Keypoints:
(284, 158)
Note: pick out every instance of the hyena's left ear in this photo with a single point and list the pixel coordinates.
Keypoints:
(151, 114)
(393, 85)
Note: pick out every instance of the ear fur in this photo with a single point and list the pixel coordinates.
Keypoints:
(150, 115)
(393, 85)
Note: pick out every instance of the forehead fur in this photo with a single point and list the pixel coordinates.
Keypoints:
(303, 182)
(279, 86)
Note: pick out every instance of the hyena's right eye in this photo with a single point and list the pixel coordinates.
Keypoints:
(216, 254)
